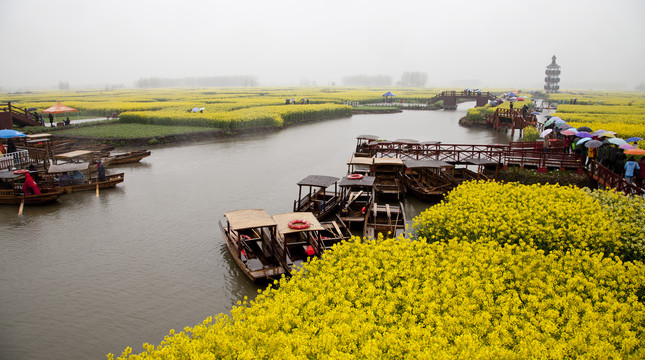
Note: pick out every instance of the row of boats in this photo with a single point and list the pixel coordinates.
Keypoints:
(328, 209)
(57, 174)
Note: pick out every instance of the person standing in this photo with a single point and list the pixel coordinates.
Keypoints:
(51, 120)
(640, 180)
(100, 170)
(11, 147)
(630, 167)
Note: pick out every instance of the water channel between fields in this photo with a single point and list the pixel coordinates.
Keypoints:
(91, 275)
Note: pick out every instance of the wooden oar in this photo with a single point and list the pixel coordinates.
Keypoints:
(97, 187)
(22, 205)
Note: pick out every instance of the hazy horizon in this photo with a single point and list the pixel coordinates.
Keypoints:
(492, 44)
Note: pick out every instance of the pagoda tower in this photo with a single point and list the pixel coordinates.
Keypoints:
(552, 77)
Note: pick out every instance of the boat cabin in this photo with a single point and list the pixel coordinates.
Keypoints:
(356, 196)
(388, 173)
(360, 165)
(315, 197)
(298, 238)
(251, 238)
(428, 180)
(362, 148)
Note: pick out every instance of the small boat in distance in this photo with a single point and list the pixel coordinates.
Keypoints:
(387, 219)
(251, 237)
(129, 157)
(316, 198)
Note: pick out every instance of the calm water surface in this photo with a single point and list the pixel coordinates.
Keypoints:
(92, 275)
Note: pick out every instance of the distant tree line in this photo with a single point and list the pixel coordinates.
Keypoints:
(236, 80)
(410, 79)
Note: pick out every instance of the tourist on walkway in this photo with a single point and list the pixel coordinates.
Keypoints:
(630, 166)
(640, 180)
(51, 120)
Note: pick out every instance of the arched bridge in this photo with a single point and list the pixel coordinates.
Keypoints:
(450, 98)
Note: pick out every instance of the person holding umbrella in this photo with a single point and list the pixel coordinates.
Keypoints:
(630, 167)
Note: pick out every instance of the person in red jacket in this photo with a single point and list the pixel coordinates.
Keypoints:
(30, 187)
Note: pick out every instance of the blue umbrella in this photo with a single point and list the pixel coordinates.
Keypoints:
(536, 113)
(388, 94)
(8, 133)
(581, 141)
(633, 139)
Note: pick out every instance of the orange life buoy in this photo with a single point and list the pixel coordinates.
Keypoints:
(245, 237)
(354, 176)
(299, 224)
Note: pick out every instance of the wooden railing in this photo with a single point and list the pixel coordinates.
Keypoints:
(610, 179)
(466, 94)
(19, 113)
(19, 159)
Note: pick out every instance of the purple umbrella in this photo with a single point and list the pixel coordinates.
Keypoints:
(583, 134)
(546, 132)
(627, 146)
(598, 132)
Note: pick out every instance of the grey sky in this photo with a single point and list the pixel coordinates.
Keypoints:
(476, 43)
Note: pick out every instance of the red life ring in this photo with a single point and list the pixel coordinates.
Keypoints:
(245, 237)
(299, 224)
(354, 176)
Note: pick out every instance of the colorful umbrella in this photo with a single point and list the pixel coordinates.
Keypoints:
(555, 118)
(559, 121)
(593, 144)
(607, 134)
(598, 132)
(617, 141)
(635, 152)
(627, 146)
(8, 133)
(546, 132)
(583, 134)
(633, 139)
(536, 113)
(549, 122)
(581, 141)
(569, 132)
(584, 128)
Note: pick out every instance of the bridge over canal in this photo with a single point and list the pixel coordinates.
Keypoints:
(450, 98)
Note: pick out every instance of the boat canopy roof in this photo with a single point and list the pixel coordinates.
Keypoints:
(379, 142)
(71, 167)
(9, 175)
(367, 137)
(283, 222)
(388, 161)
(39, 136)
(415, 164)
(480, 161)
(357, 160)
(430, 142)
(366, 181)
(74, 154)
(318, 180)
(248, 219)
(406, 141)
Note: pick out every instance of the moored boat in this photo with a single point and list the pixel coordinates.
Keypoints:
(387, 219)
(388, 173)
(81, 182)
(129, 157)
(334, 232)
(314, 196)
(428, 180)
(251, 238)
(298, 238)
(11, 192)
(356, 196)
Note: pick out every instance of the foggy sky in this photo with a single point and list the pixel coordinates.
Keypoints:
(477, 43)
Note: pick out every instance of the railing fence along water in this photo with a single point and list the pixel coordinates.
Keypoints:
(18, 159)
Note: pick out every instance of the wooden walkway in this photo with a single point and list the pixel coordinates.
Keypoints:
(10, 115)
(522, 154)
(510, 119)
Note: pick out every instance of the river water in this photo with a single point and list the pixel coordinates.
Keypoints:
(92, 275)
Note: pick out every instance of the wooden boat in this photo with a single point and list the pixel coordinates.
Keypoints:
(387, 219)
(362, 148)
(360, 165)
(11, 191)
(251, 238)
(298, 238)
(388, 173)
(334, 232)
(356, 196)
(86, 183)
(129, 157)
(316, 198)
(428, 180)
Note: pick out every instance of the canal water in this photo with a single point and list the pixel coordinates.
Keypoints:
(92, 275)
